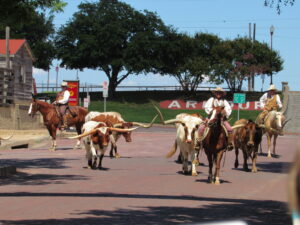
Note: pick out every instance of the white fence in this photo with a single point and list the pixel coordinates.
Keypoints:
(41, 88)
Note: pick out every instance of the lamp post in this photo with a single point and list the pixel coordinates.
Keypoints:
(272, 28)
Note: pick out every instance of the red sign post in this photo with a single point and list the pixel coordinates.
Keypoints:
(73, 88)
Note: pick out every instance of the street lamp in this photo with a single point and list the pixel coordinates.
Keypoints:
(272, 28)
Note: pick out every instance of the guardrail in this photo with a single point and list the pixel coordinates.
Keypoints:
(41, 88)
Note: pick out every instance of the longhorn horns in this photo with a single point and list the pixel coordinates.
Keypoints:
(162, 117)
(109, 128)
(139, 124)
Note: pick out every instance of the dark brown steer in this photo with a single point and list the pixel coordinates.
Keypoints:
(247, 138)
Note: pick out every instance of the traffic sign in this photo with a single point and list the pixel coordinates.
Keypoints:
(105, 89)
(239, 98)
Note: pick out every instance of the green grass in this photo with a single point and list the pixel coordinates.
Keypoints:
(146, 112)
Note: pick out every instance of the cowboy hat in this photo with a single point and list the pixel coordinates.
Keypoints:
(219, 89)
(272, 88)
(64, 84)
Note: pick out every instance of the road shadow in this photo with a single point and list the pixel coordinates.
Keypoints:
(276, 156)
(273, 167)
(48, 163)
(206, 181)
(254, 212)
(22, 178)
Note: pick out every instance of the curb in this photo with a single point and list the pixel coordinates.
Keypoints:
(23, 143)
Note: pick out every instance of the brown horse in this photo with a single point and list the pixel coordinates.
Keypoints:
(215, 143)
(52, 119)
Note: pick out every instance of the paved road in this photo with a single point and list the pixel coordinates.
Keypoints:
(142, 187)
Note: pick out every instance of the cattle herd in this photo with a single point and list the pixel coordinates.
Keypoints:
(101, 128)
(98, 129)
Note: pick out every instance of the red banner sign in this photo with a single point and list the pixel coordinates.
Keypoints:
(180, 104)
(73, 88)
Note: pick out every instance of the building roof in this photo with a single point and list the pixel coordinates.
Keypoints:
(14, 46)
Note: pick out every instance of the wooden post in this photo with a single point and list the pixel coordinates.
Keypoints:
(6, 71)
(7, 47)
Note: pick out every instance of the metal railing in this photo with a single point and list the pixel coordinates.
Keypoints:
(42, 88)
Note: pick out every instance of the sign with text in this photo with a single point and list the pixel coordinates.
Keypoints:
(105, 89)
(73, 88)
(180, 104)
(239, 98)
(86, 102)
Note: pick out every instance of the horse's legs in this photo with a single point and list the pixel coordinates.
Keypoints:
(52, 131)
(210, 165)
(236, 163)
(269, 138)
(218, 159)
(274, 144)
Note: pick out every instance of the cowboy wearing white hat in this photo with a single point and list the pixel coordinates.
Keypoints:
(219, 100)
(268, 102)
(62, 101)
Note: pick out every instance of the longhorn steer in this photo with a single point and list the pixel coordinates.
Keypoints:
(186, 136)
(115, 119)
(247, 138)
(96, 136)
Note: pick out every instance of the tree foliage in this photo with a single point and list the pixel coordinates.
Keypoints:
(110, 36)
(239, 59)
(33, 25)
(187, 59)
(278, 4)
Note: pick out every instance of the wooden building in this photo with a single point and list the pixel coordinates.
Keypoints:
(16, 82)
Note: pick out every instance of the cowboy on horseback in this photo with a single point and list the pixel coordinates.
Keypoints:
(62, 102)
(218, 101)
(268, 102)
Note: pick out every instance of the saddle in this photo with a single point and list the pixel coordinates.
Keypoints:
(73, 111)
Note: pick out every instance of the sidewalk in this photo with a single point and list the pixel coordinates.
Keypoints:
(22, 138)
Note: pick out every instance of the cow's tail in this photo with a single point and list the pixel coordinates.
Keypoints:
(173, 150)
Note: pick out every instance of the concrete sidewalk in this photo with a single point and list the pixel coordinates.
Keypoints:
(22, 138)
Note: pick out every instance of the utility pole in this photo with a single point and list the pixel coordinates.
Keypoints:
(48, 79)
(7, 70)
(272, 28)
(249, 78)
(254, 34)
(56, 68)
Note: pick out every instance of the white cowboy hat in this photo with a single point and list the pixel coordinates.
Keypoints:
(272, 88)
(64, 84)
(219, 89)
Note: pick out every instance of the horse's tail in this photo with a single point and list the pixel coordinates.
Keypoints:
(173, 150)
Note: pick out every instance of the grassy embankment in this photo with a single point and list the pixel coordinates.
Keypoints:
(145, 112)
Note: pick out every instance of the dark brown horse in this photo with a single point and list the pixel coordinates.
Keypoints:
(52, 119)
(215, 143)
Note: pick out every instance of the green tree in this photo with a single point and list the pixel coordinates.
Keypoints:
(110, 36)
(27, 19)
(239, 59)
(187, 59)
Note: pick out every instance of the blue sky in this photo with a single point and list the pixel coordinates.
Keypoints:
(226, 18)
